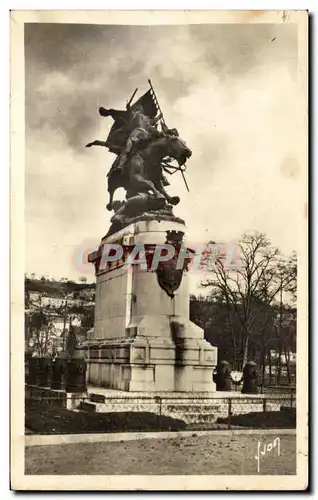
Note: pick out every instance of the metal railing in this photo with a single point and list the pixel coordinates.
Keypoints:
(161, 412)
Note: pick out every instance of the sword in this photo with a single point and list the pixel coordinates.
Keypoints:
(163, 120)
(182, 173)
(166, 166)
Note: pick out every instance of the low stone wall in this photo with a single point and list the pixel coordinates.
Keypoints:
(63, 399)
(210, 410)
(189, 408)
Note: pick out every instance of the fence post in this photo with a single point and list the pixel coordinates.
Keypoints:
(160, 411)
(264, 404)
(229, 412)
(159, 401)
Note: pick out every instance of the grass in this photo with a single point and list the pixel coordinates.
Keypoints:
(211, 455)
(263, 420)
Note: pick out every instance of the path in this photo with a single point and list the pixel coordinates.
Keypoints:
(207, 454)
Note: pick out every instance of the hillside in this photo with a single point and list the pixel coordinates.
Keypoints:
(55, 288)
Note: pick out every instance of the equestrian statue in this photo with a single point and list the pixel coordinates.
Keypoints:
(145, 148)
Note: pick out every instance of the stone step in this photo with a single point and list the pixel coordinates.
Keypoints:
(155, 408)
(88, 407)
(108, 407)
(188, 408)
(189, 414)
(111, 406)
(97, 398)
(192, 418)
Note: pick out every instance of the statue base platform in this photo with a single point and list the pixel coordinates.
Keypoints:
(143, 339)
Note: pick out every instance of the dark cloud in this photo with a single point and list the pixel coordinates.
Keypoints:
(72, 69)
(234, 49)
(229, 89)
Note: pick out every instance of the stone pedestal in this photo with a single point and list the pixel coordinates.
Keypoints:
(143, 339)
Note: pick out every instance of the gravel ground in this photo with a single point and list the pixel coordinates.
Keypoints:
(211, 455)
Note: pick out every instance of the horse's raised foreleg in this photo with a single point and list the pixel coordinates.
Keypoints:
(96, 143)
(114, 181)
(109, 205)
(137, 181)
(173, 200)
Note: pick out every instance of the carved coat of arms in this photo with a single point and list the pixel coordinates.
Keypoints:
(168, 274)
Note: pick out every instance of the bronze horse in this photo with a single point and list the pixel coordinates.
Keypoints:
(143, 170)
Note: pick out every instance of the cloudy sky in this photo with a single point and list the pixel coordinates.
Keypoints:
(229, 89)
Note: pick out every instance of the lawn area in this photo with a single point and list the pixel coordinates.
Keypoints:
(211, 455)
(264, 420)
(43, 418)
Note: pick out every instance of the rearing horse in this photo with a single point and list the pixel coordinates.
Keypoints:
(143, 171)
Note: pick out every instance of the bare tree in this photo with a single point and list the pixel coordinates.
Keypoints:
(285, 282)
(39, 334)
(251, 287)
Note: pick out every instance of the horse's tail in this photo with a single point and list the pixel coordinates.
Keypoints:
(113, 168)
(115, 178)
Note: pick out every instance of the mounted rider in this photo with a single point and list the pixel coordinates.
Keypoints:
(134, 128)
(143, 130)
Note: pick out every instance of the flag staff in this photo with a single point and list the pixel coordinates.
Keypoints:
(156, 101)
(163, 120)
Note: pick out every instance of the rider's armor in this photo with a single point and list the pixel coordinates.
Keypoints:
(143, 131)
